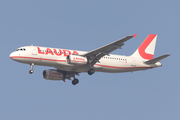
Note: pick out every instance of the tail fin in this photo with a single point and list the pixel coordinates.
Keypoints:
(147, 48)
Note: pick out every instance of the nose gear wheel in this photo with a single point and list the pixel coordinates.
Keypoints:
(31, 71)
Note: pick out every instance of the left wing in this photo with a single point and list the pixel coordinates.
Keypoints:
(95, 55)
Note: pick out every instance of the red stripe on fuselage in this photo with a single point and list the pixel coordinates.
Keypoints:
(65, 61)
(120, 67)
(38, 58)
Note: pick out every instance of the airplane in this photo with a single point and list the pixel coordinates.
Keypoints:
(69, 63)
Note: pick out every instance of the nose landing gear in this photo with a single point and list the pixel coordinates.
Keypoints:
(31, 71)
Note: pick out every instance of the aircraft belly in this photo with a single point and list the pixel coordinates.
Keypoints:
(71, 68)
(113, 70)
(21, 60)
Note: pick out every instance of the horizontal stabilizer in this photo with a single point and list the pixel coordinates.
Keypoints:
(155, 60)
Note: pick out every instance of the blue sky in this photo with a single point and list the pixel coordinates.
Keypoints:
(87, 25)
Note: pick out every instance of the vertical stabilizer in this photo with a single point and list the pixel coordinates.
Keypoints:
(147, 48)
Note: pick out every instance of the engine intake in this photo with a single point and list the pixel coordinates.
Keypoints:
(52, 75)
(76, 60)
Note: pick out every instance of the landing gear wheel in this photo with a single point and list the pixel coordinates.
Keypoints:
(31, 71)
(75, 81)
(91, 71)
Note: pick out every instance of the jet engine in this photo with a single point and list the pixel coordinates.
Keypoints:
(52, 75)
(76, 60)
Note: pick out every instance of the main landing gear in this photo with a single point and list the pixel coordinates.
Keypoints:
(91, 71)
(31, 71)
(75, 81)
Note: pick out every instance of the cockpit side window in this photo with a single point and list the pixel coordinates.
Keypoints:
(21, 49)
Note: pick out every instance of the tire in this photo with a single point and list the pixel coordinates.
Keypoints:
(91, 71)
(31, 71)
(75, 81)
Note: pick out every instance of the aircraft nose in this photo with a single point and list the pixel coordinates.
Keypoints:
(16, 57)
(12, 55)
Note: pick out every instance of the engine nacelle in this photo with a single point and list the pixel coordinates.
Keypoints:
(52, 75)
(76, 60)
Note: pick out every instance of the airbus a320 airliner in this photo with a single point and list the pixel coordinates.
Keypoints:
(69, 63)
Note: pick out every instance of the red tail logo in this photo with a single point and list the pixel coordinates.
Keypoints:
(144, 45)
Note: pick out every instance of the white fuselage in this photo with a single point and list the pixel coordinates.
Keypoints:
(56, 58)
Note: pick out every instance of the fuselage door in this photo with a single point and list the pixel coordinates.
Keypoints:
(34, 50)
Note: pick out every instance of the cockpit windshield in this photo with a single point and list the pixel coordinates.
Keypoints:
(21, 49)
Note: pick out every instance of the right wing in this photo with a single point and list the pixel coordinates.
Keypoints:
(95, 55)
